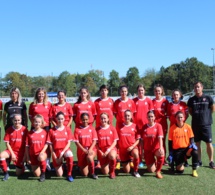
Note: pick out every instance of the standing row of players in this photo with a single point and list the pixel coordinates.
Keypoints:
(138, 107)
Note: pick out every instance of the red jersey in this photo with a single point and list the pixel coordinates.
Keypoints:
(174, 108)
(85, 135)
(84, 107)
(66, 108)
(142, 107)
(120, 106)
(42, 109)
(150, 136)
(36, 141)
(59, 138)
(106, 136)
(1, 105)
(128, 136)
(160, 109)
(104, 105)
(16, 138)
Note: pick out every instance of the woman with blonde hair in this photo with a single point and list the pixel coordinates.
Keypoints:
(41, 106)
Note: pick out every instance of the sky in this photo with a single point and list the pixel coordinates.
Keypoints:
(47, 37)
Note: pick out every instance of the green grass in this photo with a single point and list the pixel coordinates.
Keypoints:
(123, 184)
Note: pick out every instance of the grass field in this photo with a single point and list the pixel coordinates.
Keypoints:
(123, 184)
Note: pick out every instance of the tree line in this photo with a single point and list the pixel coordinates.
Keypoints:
(180, 75)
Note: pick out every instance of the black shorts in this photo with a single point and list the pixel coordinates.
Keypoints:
(202, 133)
(179, 156)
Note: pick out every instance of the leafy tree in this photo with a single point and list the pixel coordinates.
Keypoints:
(132, 79)
(114, 83)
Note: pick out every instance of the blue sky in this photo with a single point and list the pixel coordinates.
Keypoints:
(47, 37)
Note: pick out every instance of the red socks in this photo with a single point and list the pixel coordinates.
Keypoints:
(69, 162)
(159, 164)
(3, 165)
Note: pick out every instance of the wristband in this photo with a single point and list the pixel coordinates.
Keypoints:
(61, 154)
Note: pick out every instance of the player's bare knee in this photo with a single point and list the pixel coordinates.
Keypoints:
(68, 154)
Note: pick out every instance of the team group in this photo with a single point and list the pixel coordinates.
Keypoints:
(140, 132)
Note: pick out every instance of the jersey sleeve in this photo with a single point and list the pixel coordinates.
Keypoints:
(211, 102)
(27, 141)
(191, 135)
(94, 134)
(1, 105)
(151, 106)
(76, 139)
(7, 137)
(70, 135)
(93, 109)
(49, 136)
(133, 107)
(30, 111)
(115, 135)
(115, 106)
(70, 111)
(160, 130)
(169, 110)
(171, 133)
(74, 109)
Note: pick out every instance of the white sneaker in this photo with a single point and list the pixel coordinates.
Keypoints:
(136, 174)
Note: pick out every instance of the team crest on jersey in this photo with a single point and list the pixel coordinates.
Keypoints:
(185, 130)
(129, 105)
(155, 130)
(42, 136)
(32, 136)
(111, 132)
(204, 99)
(146, 103)
(180, 108)
(46, 107)
(110, 103)
(22, 133)
(89, 106)
(132, 129)
(90, 130)
(163, 104)
(65, 133)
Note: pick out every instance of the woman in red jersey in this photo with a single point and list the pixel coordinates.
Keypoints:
(143, 105)
(152, 136)
(60, 138)
(128, 141)
(84, 105)
(41, 106)
(15, 137)
(36, 148)
(160, 105)
(120, 106)
(64, 107)
(104, 104)
(107, 140)
(85, 137)
(175, 106)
